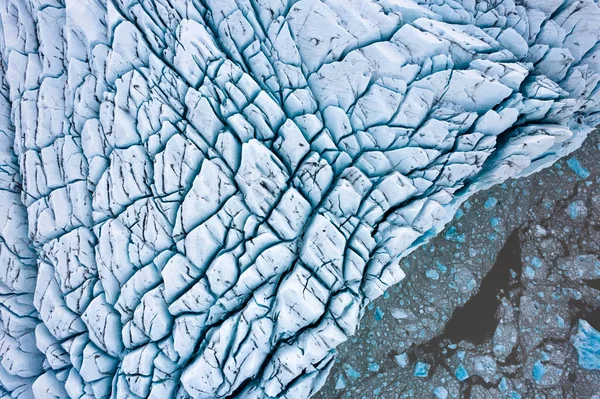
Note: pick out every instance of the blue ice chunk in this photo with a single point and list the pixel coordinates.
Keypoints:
(341, 382)
(350, 372)
(401, 360)
(538, 371)
(536, 262)
(461, 373)
(471, 284)
(587, 343)
(453, 235)
(529, 272)
(577, 209)
(432, 274)
(374, 367)
(440, 393)
(576, 167)
(503, 385)
(421, 369)
(379, 313)
(442, 268)
(490, 203)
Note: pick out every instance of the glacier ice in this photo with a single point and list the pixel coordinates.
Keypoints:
(198, 198)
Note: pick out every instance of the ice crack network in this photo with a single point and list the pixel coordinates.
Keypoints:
(198, 198)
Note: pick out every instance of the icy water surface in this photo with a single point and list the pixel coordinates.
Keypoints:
(503, 304)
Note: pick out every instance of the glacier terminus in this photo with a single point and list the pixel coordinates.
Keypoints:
(199, 198)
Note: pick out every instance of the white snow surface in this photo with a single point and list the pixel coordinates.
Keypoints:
(198, 198)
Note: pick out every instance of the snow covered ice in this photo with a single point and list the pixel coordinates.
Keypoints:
(198, 198)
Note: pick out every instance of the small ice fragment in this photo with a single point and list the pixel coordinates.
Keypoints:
(378, 314)
(421, 369)
(461, 373)
(432, 274)
(350, 372)
(576, 167)
(538, 371)
(490, 203)
(577, 209)
(401, 360)
(587, 343)
(503, 386)
(529, 272)
(440, 393)
(443, 268)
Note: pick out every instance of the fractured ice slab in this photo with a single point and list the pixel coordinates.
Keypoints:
(200, 197)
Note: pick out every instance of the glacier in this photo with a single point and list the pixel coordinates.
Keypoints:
(198, 198)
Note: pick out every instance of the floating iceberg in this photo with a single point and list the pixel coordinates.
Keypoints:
(198, 198)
